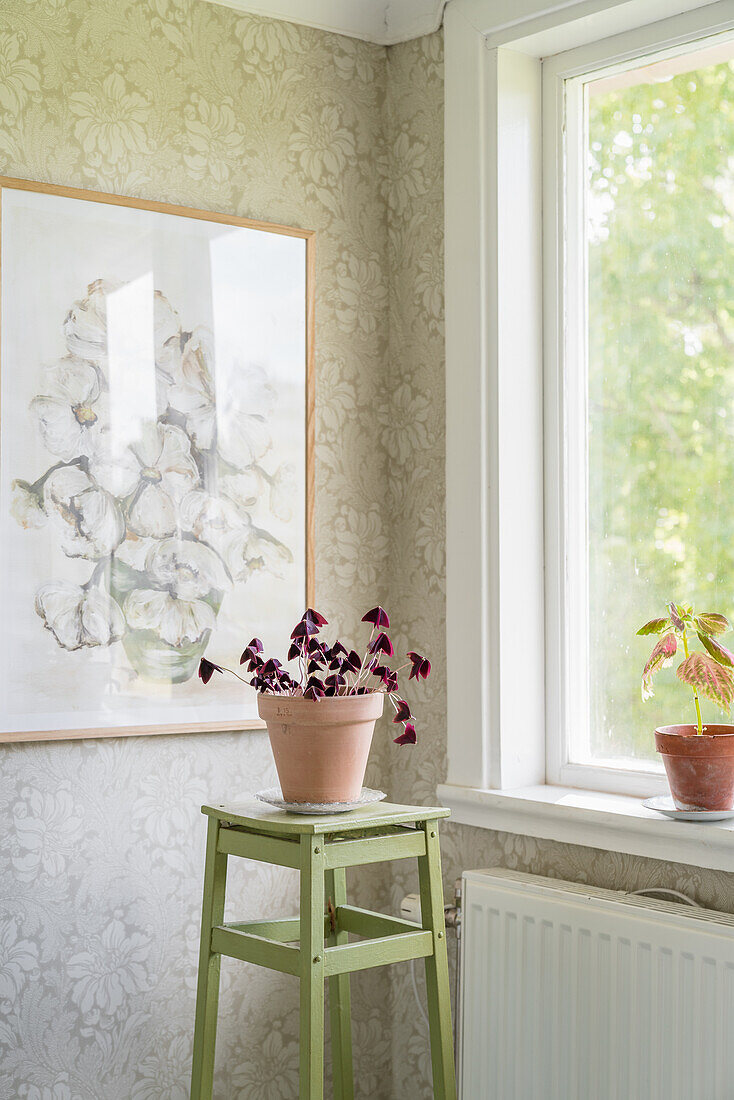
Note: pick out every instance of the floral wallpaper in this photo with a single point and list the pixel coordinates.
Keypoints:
(102, 842)
(101, 849)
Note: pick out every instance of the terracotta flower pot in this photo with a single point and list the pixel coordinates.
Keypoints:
(700, 768)
(321, 746)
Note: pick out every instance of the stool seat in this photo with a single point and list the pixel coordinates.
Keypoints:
(315, 946)
(269, 819)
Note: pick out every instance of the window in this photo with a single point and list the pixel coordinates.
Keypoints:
(589, 201)
(645, 375)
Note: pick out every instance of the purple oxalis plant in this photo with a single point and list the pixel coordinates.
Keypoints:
(707, 673)
(322, 671)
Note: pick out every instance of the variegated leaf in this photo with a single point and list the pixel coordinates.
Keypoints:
(719, 652)
(662, 654)
(709, 677)
(655, 626)
(710, 622)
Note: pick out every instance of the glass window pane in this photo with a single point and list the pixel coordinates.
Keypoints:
(659, 244)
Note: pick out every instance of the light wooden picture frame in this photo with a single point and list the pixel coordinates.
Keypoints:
(156, 458)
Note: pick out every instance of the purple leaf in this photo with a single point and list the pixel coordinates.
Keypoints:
(421, 666)
(294, 651)
(706, 675)
(402, 714)
(353, 662)
(377, 616)
(271, 668)
(408, 737)
(207, 670)
(313, 693)
(314, 617)
(381, 644)
(304, 629)
(255, 645)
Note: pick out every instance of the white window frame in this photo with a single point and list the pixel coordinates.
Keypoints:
(564, 76)
(505, 557)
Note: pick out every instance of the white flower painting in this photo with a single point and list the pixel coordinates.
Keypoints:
(154, 381)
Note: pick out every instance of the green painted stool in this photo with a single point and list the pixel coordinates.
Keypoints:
(316, 946)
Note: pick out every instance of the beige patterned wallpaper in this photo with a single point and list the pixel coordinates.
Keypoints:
(102, 844)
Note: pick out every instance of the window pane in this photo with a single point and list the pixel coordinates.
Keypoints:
(659, 233)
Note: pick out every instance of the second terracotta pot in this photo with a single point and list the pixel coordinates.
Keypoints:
(321, 746)
(700, 767)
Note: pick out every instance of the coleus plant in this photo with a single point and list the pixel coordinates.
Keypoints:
(320, 670)
(708, 673)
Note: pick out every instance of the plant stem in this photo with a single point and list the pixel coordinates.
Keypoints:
(695, 692)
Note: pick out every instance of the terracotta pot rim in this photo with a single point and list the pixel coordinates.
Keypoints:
(332, 710)
(686, 743)
(690, 729)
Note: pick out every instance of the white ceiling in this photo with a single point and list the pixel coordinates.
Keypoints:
(382, 21)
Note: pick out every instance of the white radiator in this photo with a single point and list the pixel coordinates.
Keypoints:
(574, 993)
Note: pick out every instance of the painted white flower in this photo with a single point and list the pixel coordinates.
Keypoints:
(156, 471)
(72, 413)
(85, 325)
(77, 617)
(133, 551)
(187, 569)
(243, 435)
(25, 506)
(18, 960)
(274, 1074)
(47, 826)
(87, 519)
(247, 488)
(211, 519)
(192, 389)
(243, 489)
(110, 970)
(283, 492)
(254, 551)
(177, 622)
(235, 422)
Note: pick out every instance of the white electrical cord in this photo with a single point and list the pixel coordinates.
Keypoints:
(652, 890)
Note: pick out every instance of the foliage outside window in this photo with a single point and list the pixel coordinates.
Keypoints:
(659, 252)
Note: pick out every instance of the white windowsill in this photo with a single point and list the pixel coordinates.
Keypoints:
(613, 822)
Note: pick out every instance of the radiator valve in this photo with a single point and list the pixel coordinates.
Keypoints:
(410, 908)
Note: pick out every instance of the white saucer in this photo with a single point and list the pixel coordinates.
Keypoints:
(274, 797)
(664, 804)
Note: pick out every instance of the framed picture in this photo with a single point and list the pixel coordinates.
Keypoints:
(156, 458)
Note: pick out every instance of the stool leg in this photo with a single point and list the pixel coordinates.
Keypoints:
(339, 1000)
(207, 990)
(312, 968)
(437, 968)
